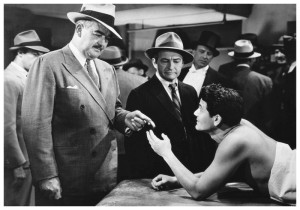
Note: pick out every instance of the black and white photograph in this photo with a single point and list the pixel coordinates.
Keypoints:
(109, 103)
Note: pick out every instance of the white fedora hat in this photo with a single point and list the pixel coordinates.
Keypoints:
(28, 39)
(102, 13)
(169, 41)
(243, 49)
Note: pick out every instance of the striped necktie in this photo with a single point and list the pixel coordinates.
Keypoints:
(175, 100)
(91, 72)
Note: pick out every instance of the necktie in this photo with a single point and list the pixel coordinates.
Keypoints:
(92, 73)
(175, 100)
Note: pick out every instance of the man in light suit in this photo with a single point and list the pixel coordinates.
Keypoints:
(170, 104)
(17, 176)
(201, 74)
(70, 109)
(127, 82)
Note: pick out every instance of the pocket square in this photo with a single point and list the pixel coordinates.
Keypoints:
(73, 87)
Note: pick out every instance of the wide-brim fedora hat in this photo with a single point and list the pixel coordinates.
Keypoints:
(243, 49)
(209, 39)
(113, 56)
(169, 41)
(135, 63)
(28, 39)
(102, 13)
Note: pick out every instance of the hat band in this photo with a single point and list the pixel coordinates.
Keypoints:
(108, 19)
(170, 44)
(23, 44)
(113, 61)
(243, 55)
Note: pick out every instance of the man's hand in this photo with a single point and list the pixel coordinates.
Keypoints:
(161, 147)
(136, 120)
(19, 176)
(164, 182)
(51, 188)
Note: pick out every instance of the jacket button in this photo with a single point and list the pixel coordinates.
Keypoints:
(94, 153)
(82, 107)
(92, 131)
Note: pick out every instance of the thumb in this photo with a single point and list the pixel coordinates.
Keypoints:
(165, 137)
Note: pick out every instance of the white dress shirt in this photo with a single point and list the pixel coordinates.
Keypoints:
(195, 77)
(82, 59)
(166, 84)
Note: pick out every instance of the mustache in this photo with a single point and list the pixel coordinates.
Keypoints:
(100, 47)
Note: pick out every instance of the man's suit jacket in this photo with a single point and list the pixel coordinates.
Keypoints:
(68, 124)
(212, 76)
(15, 152)
(152, 99)
(255, 89)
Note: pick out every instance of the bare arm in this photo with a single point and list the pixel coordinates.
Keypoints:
(228, 157)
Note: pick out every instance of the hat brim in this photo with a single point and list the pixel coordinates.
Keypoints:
(124, 61)
(254, 55)
(37, 48)
(186, 56)
(74, 16)
(140, 66)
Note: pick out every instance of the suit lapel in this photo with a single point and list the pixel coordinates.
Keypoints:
(73, 66)
(160, 93)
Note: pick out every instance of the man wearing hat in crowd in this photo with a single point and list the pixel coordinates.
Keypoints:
(201, 74)
(17, 176)
(70, 111)
(170, 104)
(127, 82)
(136, 66)
(254, 87)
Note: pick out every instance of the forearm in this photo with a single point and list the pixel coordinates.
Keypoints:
(187, 179)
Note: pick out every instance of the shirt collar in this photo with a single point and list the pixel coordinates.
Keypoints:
(20, 69)
(165, 82)
(194, 70)
(78, 55)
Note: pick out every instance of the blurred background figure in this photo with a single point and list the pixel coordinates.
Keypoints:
(17, 176)
(136, 66)
(254, 87)
(127, 82)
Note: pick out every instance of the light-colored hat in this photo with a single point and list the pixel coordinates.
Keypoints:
(113, 56)
(102, 13)
(243, 49)
(169, 41)
(28, 39)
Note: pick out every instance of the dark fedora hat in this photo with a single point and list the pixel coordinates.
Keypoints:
(169, 41)
(210, 40)
(102, 13)
(113, 56)
(135, 63)
(28, 39)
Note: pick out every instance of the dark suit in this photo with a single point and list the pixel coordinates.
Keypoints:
(152, 99)
(212, 76)
(255, 89)
(68, 125)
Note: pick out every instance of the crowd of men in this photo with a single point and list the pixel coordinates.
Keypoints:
(68, 135)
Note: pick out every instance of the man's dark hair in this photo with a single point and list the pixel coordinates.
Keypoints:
(223, 101)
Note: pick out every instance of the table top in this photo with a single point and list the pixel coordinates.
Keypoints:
(140, 193)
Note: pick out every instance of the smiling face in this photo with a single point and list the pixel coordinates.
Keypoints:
(202, 56)
(169, 65)
(204, 122)
(93, 38)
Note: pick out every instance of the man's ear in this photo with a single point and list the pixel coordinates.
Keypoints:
(217, 120)
(78, 29)
(154, 63)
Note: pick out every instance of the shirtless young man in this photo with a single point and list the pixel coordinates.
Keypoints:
(269, 166)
